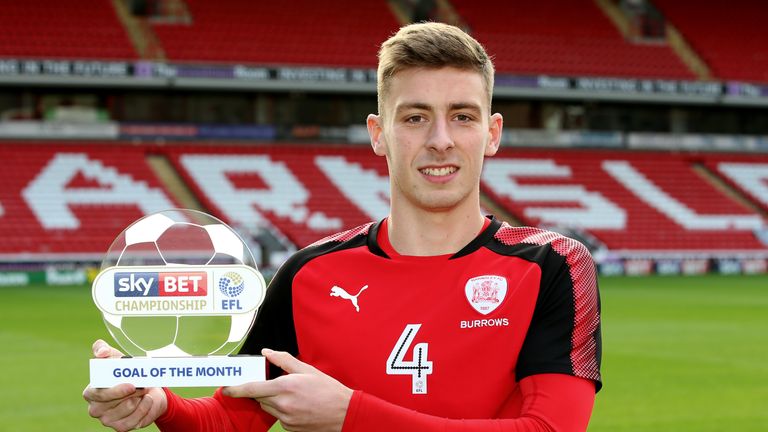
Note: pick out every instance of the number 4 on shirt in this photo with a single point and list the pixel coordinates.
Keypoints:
(418, 367)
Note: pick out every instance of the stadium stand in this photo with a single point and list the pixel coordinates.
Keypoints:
(631, 201)
(66, 200)
(568, 37)
(72, 199)
(60, 198)
(746, 174)
(339, 33)
(306, 192)
(736, 50)
(67, 29)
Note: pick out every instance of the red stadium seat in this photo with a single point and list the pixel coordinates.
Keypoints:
(340, 33)
(567, 37)
(630, 201)
(748, 174)
(48, 209)
(71, 29)
(731, 38)
(305, 192)
(74, 199)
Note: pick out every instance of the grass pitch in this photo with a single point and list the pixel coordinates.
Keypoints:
(684, 354)
(679, 353)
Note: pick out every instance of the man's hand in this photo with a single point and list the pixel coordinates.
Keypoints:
(123, 407)
(304, 400)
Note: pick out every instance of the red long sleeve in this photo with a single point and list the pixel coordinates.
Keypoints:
(550, 402)
(213, 414)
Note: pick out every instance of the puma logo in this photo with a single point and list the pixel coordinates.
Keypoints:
(338, 291)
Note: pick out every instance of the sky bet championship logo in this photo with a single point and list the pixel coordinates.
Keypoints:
(177, 291)
(157, 284)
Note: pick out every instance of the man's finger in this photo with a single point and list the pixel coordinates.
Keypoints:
(271, 410)
(112, 394)
(287, 362)
(257, 389)
(129, 414)
(102, 349)
(149, 416)
(142, 413)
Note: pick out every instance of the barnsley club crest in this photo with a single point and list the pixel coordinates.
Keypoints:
(485, 293)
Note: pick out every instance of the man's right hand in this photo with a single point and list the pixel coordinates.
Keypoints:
(123, 407)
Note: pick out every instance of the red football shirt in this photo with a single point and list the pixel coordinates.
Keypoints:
(449, 336)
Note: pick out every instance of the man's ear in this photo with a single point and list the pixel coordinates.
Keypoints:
(376, 132)
(495, 127)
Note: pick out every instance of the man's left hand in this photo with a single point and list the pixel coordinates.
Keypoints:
(303, 400)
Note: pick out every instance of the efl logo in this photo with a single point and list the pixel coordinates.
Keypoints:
(161, 284)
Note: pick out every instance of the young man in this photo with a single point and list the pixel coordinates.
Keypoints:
(436, 318)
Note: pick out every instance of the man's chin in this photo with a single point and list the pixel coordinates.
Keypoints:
(440, 202)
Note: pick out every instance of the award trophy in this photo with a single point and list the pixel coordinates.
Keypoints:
(178, 291)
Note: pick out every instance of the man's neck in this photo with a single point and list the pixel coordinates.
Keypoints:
(433, 233)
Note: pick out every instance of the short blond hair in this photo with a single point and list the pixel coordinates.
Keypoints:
(431, 45)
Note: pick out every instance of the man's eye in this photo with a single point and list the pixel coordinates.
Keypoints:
(415, 119)
(463, 118)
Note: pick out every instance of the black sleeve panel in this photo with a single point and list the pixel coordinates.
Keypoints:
(274, 327)
(564, 333)
(547, 345)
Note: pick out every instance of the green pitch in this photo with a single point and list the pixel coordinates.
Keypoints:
(680, 353)
(684, 354)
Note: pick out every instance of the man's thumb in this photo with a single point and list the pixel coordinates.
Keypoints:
(286, 361)
(102, 349)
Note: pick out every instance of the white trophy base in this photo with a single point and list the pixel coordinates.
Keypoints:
(177, 371)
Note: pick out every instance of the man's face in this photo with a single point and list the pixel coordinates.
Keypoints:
(435, 130)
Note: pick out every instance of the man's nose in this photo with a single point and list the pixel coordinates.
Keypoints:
(440, 138)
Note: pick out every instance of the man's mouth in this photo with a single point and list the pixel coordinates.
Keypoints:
(438, 172)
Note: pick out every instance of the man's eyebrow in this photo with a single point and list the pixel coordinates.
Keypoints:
(427, 107)
(413, 105)
(464, 105)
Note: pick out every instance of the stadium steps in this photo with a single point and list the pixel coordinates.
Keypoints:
(650, 224)
(735, 194)
(442, 11)
(617, 17)
(687, 54)
(140, 33)
(173, 183)
(173, 12)
(401, 11)
(736, 51)
(340, 33)
(490, 206)
(674, 39)
(447, 14)
(565, 38)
